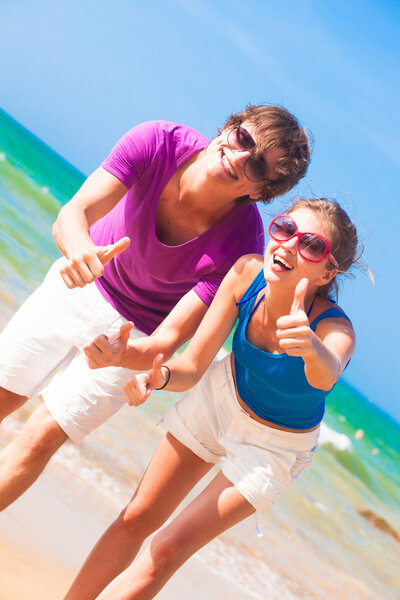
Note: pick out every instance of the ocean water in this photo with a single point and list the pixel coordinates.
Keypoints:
(334, 535)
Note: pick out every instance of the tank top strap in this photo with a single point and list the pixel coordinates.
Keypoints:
(259, 283)
(255, 306)
(330, 313)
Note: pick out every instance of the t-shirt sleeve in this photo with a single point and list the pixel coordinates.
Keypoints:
(133, 153)
(207, 287)
(249, 240)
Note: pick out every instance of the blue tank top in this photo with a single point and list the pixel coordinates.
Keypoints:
(274, 386)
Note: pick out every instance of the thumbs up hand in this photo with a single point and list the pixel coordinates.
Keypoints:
(106, 352)
(139, 387)
(86, 266)
(293, 331)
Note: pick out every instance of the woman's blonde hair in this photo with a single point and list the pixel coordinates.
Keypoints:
(343, 239)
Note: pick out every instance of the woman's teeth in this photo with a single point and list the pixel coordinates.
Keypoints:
(282, 261)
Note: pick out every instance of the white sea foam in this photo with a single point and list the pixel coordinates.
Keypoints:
(330, 436)
(250, 574)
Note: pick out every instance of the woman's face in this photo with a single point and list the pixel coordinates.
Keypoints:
(227, 165)
(282, 262)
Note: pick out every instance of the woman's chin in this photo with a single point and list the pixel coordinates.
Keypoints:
(275, 275)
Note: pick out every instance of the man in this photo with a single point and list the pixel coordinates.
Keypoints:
(156, 228)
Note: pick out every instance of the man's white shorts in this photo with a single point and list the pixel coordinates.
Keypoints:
(260, 461)
(41, 352)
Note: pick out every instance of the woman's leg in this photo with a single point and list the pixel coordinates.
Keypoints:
(217, 508)
(171, 474)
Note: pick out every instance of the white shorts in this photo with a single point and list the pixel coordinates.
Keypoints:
(41, 352)
(260, 461)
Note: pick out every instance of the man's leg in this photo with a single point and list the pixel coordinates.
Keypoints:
(171, 474)
(216, 509)
(22, 461)
(9, 401)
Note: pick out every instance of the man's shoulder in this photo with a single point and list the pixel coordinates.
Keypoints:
(180, 133)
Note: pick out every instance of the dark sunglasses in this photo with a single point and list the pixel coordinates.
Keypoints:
(255, 167)
(311, 246)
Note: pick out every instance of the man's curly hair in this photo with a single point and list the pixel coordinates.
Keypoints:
(274, 127)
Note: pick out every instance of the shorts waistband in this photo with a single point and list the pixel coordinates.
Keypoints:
(277, 428)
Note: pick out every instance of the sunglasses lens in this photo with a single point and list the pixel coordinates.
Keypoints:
(255, 169)
(244, 141)
(312, 247)
(282, 228)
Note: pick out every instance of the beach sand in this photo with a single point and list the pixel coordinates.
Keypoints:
(47, 533)
(23, 576)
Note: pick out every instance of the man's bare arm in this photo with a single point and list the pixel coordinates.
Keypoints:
(178, 327)
(97, 196)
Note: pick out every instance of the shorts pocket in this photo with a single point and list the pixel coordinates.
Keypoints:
(303, 461)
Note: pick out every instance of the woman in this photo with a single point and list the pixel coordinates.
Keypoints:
(257, 411)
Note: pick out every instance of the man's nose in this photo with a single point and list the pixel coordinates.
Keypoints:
(241, 156)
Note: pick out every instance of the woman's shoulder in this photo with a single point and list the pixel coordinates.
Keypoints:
(325, 310)
(248, 265)
(245, 270)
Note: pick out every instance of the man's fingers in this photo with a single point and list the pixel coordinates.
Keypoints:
(81, 272)
(93, 358)
(299, 296)
(125, 328)
(101, 342)
(68, 280)
(123, 333)
(71, 276)
(95, 266)
(108, 252)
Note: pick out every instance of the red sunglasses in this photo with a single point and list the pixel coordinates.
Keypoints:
(311, 246)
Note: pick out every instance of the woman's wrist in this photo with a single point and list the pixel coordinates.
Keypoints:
(167, 377)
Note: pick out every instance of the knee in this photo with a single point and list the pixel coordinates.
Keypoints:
(9, 402)
(168, 552)
(138, 519)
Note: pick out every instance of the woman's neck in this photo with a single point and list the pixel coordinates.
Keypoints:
(278, 302)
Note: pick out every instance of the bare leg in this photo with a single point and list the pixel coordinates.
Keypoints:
(9, 401)
(217, 508)
(171, 474)
(23, 460)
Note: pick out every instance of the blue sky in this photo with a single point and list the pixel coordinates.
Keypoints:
(79, 74)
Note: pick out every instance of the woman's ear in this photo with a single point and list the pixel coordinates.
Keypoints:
(326, 277)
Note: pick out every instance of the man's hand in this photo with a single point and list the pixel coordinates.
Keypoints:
(294, 333)
(89, 265)
(108, 352)
(139, 387)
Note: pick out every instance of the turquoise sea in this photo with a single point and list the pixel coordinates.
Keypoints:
(334, 535)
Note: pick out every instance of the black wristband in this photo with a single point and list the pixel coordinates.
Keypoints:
(169, 375)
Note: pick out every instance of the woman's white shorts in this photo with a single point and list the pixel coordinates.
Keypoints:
(260, 461)
(41, 352)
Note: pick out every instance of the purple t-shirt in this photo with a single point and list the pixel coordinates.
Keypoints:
(146, 281)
